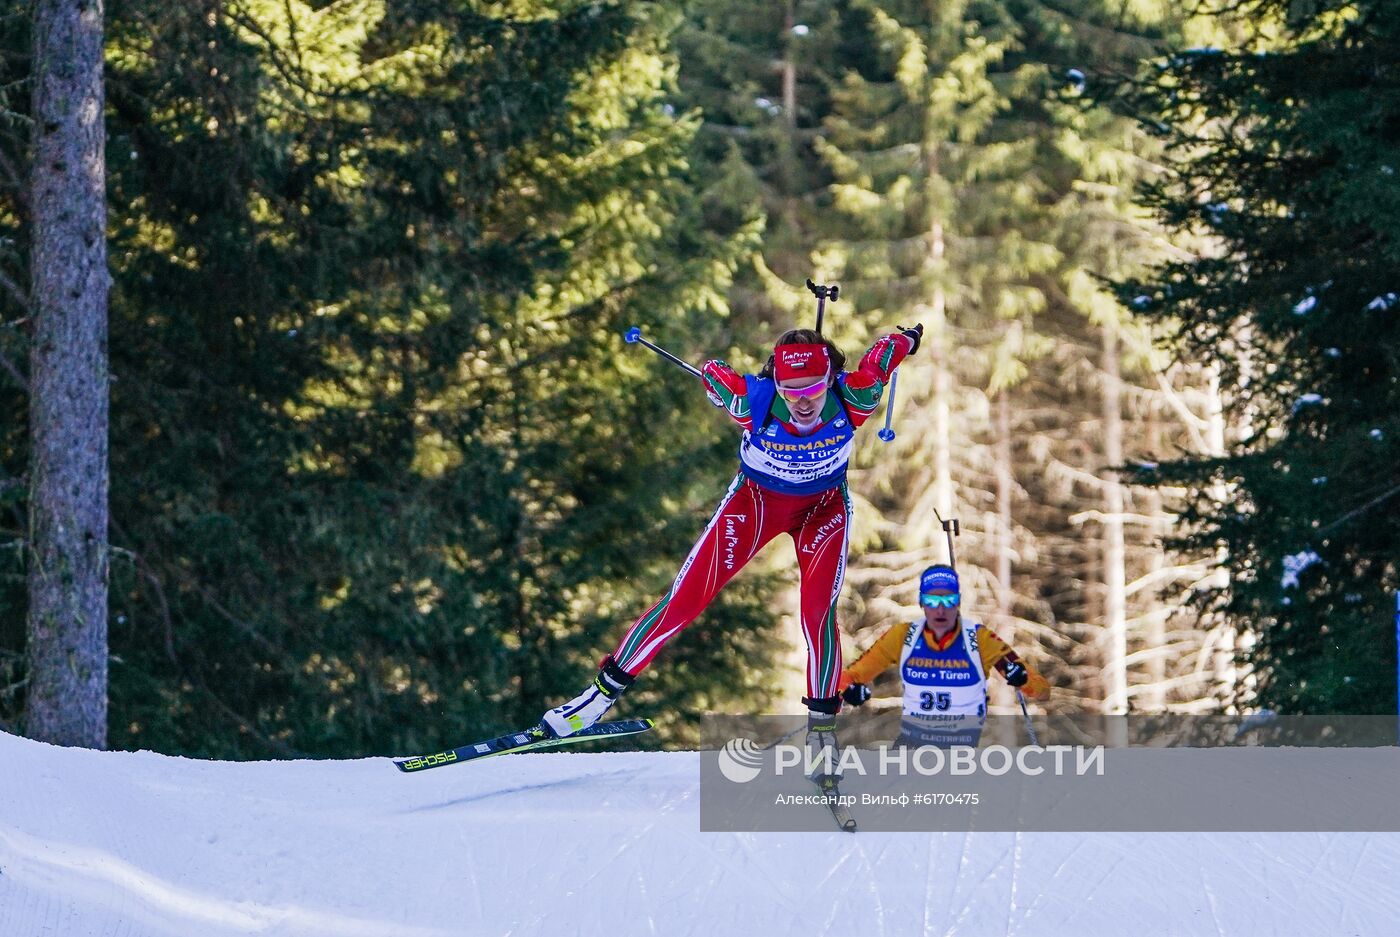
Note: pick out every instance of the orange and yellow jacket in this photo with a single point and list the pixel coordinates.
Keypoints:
(886, 651)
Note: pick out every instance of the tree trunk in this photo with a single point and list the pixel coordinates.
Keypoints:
(942, 387)
(1227, 673)
(67, 625)
(1001, 694)
(789, 69)
(938, 314)
(1154, 698)
(1005, 476)
(1114, 548)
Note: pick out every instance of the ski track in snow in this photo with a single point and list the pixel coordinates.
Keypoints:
(121, 844)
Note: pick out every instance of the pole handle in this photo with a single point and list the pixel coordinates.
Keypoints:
(951, 529)
(823, 293)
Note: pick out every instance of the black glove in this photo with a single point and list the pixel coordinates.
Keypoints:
(856, 694)
(916, 335)
(1016, 673)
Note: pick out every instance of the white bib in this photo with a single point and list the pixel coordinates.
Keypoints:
(947, 685)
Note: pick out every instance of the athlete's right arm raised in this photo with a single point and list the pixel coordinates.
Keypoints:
(727, 388)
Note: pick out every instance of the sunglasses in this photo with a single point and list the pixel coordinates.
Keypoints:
(941, 601)
(813, 390)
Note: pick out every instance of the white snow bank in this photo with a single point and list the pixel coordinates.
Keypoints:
(128, 844)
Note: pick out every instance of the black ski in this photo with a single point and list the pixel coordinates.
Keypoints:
(530, 740)
(826, 783)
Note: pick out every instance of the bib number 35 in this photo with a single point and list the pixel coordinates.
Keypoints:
(930, 701)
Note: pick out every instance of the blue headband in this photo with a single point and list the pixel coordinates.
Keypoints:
(939, 577)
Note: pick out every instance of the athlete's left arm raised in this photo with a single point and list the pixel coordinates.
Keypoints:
(862, 388)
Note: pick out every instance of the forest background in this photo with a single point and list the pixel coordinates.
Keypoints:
(384, 474)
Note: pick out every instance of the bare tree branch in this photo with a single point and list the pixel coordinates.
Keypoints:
(13, 177)
(1362, 509)
(190, 671)
(14, 372)
(14, 290)
(21, 297)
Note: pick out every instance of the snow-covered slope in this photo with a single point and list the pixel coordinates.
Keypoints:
(128, 844)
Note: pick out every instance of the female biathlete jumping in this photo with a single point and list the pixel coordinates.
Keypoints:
(799, 416)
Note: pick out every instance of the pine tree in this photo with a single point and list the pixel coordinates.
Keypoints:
(383, 469)
(761, 76)
(1282, 152)
(987, 197)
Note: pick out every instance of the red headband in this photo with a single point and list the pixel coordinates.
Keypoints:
(794, 362)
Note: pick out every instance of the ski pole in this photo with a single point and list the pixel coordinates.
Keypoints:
(1029, 728)
(887, 434)
(634, 335)
(823, 293)
(774, 744)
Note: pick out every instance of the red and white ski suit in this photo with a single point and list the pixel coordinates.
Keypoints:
(815, 509)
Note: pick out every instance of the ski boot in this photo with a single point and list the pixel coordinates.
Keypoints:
(822, 753)
(589, 706)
